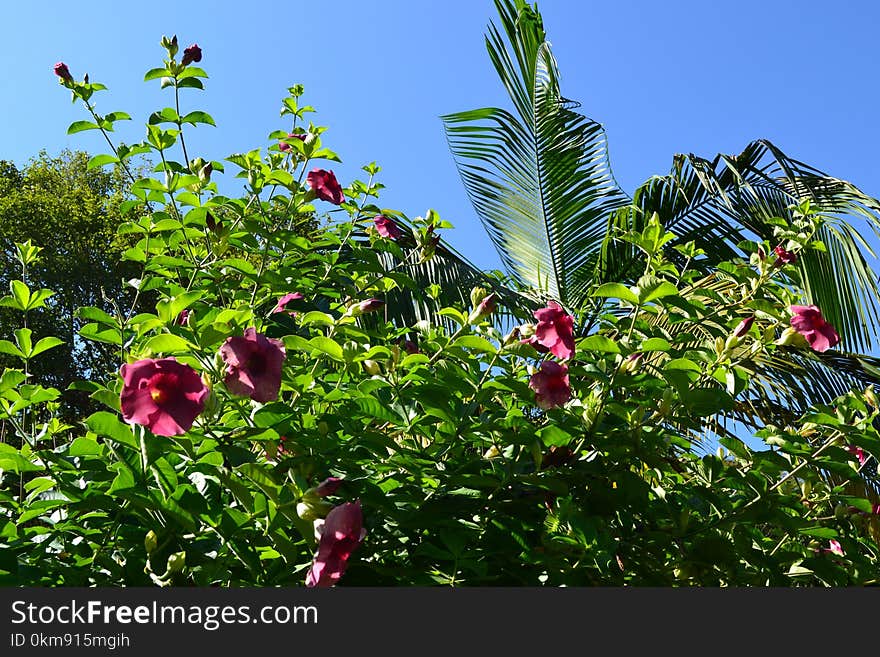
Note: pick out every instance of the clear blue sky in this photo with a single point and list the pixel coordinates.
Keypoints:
(678, 76)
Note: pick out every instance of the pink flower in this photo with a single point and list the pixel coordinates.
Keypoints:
(253, 365)
(551, 385)
(191, 54)
(555, 330)
(63, 72)
(341, 533)
(834, 547)
(808, 321)
(161, 394)
(743, 327)
(371, 305)
(409, 346)
(327, 487)
(485, 308)
(783, 257)
(183, 317)
(325, 186)
(280, 307)
(876, 509)
(859, 454)
(387, 227)
(284, 146)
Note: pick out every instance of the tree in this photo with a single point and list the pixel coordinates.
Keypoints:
(540, 181)
(72, 213)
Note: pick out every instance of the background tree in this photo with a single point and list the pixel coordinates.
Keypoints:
(72, 213)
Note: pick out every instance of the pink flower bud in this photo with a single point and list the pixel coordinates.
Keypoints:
(63, 72)
(743, 327)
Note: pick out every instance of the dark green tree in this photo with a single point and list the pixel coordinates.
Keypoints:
(72, 213)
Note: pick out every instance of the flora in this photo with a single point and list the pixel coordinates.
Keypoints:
(162, 394)
(325, 186)
(808, 321)
(596, 454)
(253, 365)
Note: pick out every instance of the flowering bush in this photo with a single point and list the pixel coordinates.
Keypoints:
(244, 442)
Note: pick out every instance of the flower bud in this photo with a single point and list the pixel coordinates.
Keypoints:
(176, 562)
(205, 173)
(63, 72)
(870, 397)
(151, 541)
(791, 338)
(526, 330)
(371, 367)
(743, 327)
(483, 309)
(170, 45)
(477, 295)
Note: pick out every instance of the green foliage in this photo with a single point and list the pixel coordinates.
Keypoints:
(465, 477)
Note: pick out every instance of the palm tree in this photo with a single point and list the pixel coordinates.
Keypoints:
(540, 181)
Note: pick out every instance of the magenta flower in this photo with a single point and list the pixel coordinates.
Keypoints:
(485, 308)
(161, 394)
(743, 327)
(859, 454)
(183, 317)
(63, 72)
(325, 186)
(284, 146)
(783, 257)
(370, 305)
(191, 54)
(551, 385)
(280, 307)
(341, 533)
(808, 321)
(409, 346)
(327, 487)
(834, 547)
(253, 365)
(555, 330)
(387, 227)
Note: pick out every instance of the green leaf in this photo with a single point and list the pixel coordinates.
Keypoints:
(101, 160)
(6, 347)
(157, 73)
(616, 291)
(83, 446)
(79, 126)
(45, 344)
(198, 117)
(655, 344)
(598, 343)
(476, 343)
(107, 424)
(652, 288)
(21, 293)
(327, 346)
(554, 436)
(168, 343)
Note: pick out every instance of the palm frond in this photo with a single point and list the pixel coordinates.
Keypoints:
(538, 177)
(719, 203)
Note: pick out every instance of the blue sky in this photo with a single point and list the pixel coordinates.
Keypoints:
(678, 76)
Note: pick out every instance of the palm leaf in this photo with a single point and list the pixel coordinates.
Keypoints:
(719, 203)
(538, 177)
